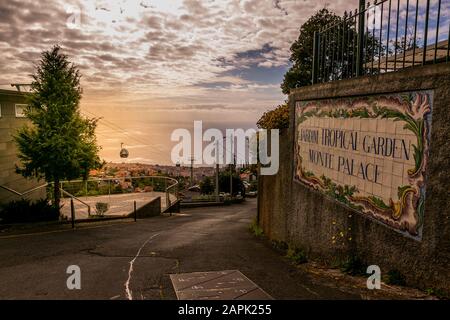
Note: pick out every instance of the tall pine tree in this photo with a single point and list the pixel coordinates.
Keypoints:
(60, 144)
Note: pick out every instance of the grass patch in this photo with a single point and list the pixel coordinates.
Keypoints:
(438, 293)
(256, 230)
(354, 267)
(296, 255)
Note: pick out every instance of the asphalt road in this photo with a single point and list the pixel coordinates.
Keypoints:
(134, 260)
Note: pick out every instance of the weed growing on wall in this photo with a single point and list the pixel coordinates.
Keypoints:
(395, 277)
(354, 266)
(256, 230)
(296, 255)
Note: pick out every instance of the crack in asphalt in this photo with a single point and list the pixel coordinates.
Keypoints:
(128, 292)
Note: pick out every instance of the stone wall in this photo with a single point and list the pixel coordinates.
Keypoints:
(329, 232)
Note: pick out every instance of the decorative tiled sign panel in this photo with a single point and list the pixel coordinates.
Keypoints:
(369, 153)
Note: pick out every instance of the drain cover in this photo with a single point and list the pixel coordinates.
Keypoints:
(219, 285)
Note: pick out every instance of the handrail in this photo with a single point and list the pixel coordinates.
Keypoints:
(168, 202)
(168, 189)
(118, 178)
(22, 194)
(79, 200)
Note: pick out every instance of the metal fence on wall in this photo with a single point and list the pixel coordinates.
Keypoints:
(384, 36)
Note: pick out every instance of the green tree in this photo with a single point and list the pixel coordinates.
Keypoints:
(275, 119)
(224, 183)
(300, 74)
(60, 144)
(207, 186)
(337, 35)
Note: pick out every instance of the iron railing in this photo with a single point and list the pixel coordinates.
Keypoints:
(80, 199)
(42, 192)
(23, 194)
(380, 37)
(72, 197)
(120, 194)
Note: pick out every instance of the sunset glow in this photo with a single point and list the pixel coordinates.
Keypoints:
(150, 67)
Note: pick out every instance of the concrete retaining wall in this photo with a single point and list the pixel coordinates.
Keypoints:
(330, 232)
(151, 209)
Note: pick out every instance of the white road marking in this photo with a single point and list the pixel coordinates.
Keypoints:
(128, 292)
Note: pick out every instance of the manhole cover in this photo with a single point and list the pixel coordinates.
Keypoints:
(219, 285)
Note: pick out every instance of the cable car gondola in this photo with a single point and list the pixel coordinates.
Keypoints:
(123, 152)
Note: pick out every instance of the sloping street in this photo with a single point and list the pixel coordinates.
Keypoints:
(34, 266)
(134, 260)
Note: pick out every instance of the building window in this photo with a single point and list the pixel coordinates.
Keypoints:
(20, 110)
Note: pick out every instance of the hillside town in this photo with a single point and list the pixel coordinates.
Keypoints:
(116, 170)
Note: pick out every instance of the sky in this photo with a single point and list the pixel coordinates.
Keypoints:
(150, 67)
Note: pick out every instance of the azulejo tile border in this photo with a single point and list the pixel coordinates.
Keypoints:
(368, 153)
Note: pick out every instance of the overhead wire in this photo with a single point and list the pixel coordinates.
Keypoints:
(115, 128)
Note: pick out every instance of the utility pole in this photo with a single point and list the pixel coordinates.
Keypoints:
(247, 153)
(217, 172)
(192, 171)
(178, 169)
(231, 166)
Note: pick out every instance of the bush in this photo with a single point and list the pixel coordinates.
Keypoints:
(207, 186)
(117, 189)
(26, 211)
(275, 119)
(101, 208)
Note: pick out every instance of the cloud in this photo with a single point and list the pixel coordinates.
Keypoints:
(186, 43)
(205, 58)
